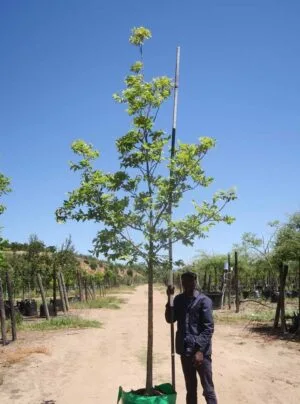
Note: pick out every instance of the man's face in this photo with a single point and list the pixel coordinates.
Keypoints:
(188, 283)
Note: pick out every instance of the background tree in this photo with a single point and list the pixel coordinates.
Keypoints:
(135, 198)
(287, 250)
(260, 251)
(209, 268)
(4, 189)
(65, 260)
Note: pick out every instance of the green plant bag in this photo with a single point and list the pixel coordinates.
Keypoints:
(168, 397)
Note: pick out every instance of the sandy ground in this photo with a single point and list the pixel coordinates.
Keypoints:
(87, 366)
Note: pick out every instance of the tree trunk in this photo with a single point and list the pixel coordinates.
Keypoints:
(80, 286)
(283, 271)
(64, 290)
(236, 276)
(229, 284)
(2, 315)
(149, 377)
(204, 281)
(61, 293)
(216, 280)
(209, 283)
(282, 300)
(86, 290)
(54, 291)
(43, 296)
(12, 307)
(299, 286)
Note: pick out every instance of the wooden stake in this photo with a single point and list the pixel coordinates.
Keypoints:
(12, 307)
(39, 278)
(2, 316)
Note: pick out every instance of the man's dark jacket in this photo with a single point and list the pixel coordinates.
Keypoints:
(195, 324)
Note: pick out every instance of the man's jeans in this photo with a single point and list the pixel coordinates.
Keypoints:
(190, 375)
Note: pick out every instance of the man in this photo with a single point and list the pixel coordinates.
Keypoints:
(195, 326)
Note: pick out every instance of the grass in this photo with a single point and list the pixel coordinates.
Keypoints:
(249, 312)
(58, 323)
(19, 354)
(107, 302)
(124, 289)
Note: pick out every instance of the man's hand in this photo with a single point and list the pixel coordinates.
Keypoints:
(198, 359)
(170, 290)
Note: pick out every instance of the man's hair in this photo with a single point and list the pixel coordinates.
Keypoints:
(190, 275)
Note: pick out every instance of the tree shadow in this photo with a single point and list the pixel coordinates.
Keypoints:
(270, 333)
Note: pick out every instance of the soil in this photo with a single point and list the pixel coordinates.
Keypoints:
(88, 366)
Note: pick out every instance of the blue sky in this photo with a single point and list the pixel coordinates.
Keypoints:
(62, 60)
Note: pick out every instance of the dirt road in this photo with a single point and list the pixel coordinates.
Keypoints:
(87, 366)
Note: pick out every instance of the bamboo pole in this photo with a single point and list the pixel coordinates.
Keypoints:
(171, 280)
(12, 307)
(40, 283)
(2, 316)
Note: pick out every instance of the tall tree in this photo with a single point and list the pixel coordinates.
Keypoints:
(135, 198)
(4, 189)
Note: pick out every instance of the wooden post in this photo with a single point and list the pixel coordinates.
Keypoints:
(61, 293)
(2, 316)
(12, 307)
(229, 283)
(39, 278)
(236, 276)
(64, 290)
